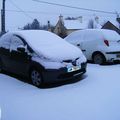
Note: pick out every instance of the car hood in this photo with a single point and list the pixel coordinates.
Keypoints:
(50, 46)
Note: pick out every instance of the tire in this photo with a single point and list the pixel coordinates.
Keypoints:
(99, 59)
(36, 77)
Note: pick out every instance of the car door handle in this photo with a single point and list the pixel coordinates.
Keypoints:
(83, 50)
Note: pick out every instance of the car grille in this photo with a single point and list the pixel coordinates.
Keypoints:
(70, 75)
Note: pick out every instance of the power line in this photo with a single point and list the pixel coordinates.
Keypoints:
(73, 7)
(50, 13)
(20, 9)
(33, 12)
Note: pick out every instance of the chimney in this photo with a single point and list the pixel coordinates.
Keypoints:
(61, 19)
(49, 28)
(97, 19)
(80, 19)
(118, 18)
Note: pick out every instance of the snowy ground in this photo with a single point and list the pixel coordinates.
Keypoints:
(96, 97)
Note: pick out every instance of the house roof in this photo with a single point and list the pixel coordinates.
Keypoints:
(104, 21)
(115, 23)
(83, 23)
(75, 24)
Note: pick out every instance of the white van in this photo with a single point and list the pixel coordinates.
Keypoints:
(99, 45)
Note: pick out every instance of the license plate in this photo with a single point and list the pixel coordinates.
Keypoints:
(74, 68)
(118, 56)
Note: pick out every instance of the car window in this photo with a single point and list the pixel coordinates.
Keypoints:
(15, 42)
(88, 36)
(5, 41)
(92, 36)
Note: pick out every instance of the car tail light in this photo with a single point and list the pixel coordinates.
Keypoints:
(106, 42)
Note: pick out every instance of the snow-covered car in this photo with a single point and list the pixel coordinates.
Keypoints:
(98, 45)
(40, 55)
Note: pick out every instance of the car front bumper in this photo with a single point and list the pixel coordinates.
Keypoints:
(50, 75)
(113, 56)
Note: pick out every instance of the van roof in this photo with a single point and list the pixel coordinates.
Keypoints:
(98, 33)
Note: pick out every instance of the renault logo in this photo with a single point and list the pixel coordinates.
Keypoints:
(74, 62)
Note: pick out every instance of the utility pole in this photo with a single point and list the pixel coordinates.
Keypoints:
(3, 17)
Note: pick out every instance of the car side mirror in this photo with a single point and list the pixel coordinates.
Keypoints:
(78, 45)
(21, 48)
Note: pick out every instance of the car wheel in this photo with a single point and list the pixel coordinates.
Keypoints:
(98, 59)
(36, 78)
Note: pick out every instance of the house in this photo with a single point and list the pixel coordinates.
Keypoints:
(95, 23)
(102, 23)
(66, 26)
(59, 29)
(113, 25)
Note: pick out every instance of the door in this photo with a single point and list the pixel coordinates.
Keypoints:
(5, 51)
(19, 61)
(88, 44)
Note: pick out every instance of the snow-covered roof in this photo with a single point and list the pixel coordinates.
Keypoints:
(76, 24)
(102, 21)
(83, 23)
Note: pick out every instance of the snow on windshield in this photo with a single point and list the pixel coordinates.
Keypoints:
(5, 41)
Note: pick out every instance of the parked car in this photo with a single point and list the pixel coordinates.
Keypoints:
(41, 56)
(98, 45)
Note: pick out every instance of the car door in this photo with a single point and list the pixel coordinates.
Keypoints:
(79, 42)
(5, 51)
(19, 61)
(88, 44)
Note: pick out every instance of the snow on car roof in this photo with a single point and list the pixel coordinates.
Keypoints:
(111, 35)
(105, 34)
(49, 45)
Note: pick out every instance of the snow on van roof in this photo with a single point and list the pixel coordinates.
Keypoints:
(95, 33)
(49, 45)
(110, 35)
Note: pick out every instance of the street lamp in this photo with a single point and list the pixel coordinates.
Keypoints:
(3, 17)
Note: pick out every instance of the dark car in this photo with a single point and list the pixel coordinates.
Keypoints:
(41, 56)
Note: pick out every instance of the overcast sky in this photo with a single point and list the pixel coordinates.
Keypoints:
(48, 12)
